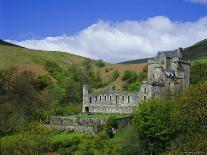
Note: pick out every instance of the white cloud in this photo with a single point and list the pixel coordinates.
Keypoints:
(198, 1)
(115, 42)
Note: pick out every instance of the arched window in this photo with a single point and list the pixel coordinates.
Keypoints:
(100, 98)
(110, 97)
(122, 97)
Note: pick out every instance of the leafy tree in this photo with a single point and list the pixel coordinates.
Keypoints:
(154, 126)
(190, 111)
(21, 102)
(42, 82)
(198, 73)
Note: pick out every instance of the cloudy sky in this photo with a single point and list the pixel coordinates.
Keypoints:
(113, 30)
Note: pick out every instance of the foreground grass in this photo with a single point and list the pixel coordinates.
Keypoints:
(65, 136)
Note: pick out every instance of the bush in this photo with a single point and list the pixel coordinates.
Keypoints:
(111, 124)
(135, 86)
(69, 109)
(198, 73)
(24, 144)
(114, 75)
(42, 82)
(100, 63)
(190, 111)
(154, 127)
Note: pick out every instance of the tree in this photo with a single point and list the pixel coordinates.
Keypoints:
(198, 73)
(154, 126)
(190, 111)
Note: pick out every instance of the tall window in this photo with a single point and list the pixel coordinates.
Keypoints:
(116, 99)
(100, 98)
(90, 99)
(128, 98)
(122, 97)
(110, 97)
(105, 97)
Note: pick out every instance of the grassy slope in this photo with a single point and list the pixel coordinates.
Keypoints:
(34, 60)
(198, 50)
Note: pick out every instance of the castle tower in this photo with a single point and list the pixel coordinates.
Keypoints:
(168, 72)
(85, 108)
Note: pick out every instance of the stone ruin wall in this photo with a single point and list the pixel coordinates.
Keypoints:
(114, 102)
(76, 121)
(158, 86)
(84, 125)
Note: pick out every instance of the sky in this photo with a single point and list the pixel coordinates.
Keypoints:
(112, 30)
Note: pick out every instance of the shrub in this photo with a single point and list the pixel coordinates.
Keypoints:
(69, 109)
(114, 75)
(42, 82)
(135, 86)
(100, 63)
(198, 73)
(154, 126)
(190, 111)
(111, 123)
(24, 144)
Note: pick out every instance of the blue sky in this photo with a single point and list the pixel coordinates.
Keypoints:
(48, 22)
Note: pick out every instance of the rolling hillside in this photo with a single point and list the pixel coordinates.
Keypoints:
(34, 60)
(196, 52)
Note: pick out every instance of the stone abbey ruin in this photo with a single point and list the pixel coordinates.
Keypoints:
(168, 72)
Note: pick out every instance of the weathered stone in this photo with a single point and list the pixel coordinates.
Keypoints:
(168, 72)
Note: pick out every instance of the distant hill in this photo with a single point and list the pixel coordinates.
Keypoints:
(2, 42)
(34, 60)
(196, 52)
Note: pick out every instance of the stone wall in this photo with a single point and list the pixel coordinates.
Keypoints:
(76, 121)
(84, 125)
(158, 85)
(116, 102)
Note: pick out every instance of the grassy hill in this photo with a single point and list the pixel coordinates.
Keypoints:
(25, 59)
(196, 52)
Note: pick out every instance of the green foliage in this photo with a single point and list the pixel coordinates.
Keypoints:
(24, 144)
(65, 142)
(100, 63)
(20, 101)
(69, 109)
(111, 125)
(42, 82)
(135, 86)
(198, 73)
(154, 127)
(191, 113)
(114, 75)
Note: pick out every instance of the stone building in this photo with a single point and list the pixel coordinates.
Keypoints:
(168, 73)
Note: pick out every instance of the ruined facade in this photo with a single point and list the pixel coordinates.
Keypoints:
(168, 72)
